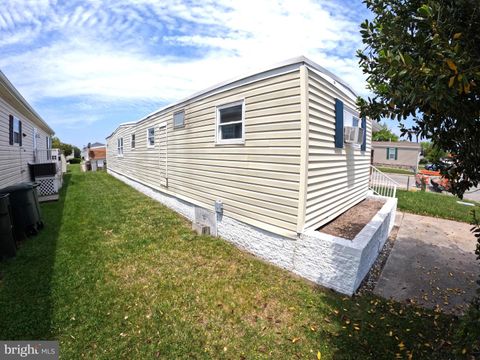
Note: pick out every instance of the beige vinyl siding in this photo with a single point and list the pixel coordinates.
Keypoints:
(13, 158)
(258, 182)
(336, 178)
(407, 156)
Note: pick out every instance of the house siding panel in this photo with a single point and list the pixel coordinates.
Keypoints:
(258, 182)
(337, 178)
(14, 159)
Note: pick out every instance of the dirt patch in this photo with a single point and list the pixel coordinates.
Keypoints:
(352, 221)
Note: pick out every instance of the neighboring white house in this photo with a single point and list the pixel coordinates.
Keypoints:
(264, 160)
(24, 136)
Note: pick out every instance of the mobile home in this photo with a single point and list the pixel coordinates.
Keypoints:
(25, 138)
(264, 160)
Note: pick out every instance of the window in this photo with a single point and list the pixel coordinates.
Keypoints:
(132, 141)
(16, 131)
(120, 147)
(151, 137)
(230, 123)
(353, 132)
(179, 119)
(392, 153)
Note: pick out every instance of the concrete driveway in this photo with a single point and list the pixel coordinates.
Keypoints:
(432, 264)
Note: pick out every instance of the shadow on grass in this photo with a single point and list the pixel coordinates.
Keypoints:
(26, 305)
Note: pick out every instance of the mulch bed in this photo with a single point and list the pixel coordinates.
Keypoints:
(352, 221)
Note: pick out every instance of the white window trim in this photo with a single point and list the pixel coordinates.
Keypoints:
(179, 126)
(120, 148)
(356, 115)
(148, 142)
(218, 140)
(390, 153)
(16, 121)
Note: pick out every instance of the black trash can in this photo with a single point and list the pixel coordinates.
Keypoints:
(25, 208)
(8, 247)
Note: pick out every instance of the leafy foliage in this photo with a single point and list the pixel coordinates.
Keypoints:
(76, 152)
(384, 135)
(67, 149)
(431, 152)
(423, 62)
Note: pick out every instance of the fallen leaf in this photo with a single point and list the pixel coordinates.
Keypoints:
(452, 65)
(319, 355)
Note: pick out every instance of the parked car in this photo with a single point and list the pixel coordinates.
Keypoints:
(432, 167)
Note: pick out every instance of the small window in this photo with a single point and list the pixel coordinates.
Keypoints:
(392, 153)
(352, 127)
(132, 141)
(151, 137)
(230, 123)
(16, 131)
(179, 119)
(120, 147)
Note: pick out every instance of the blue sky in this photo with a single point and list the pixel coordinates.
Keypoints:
(87, 66)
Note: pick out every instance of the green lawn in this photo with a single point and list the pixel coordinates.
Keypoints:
(115, 275)
(395, 170)
(436, 205)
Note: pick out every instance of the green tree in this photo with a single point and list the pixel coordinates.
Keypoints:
(431, 152)
(384, 135)
(67, 149)
(422, 61)
(76, 152)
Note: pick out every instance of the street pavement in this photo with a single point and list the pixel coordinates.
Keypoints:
(404, 180)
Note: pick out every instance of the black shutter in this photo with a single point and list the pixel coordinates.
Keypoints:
(10, 129)
(364, 127)
(20, 135)
(338, 123)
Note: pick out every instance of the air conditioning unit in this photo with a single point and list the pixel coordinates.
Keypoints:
(353, 135)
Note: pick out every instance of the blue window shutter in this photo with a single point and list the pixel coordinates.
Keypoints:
(338, 123)
(388, 153)
(364, 127)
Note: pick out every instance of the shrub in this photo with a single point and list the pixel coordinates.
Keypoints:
(75, 161)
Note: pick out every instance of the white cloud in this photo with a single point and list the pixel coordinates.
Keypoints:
(133, 50)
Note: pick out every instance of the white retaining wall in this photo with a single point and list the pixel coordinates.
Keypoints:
(330, 261)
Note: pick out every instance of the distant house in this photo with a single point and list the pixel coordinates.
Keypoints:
(98, 157)
(85, 151)
(401, 154)
(25, 138)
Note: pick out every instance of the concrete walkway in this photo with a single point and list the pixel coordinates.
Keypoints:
(432, 264)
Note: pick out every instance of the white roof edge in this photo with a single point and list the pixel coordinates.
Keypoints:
(263, 72)
(19, 97)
